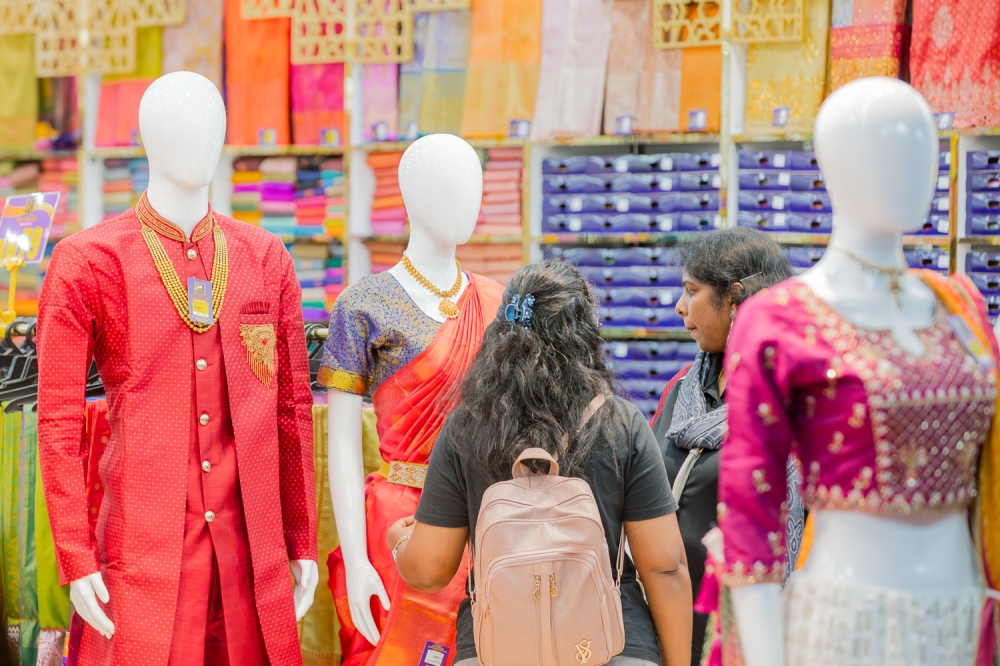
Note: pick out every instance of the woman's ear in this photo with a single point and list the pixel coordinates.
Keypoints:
(735, 295)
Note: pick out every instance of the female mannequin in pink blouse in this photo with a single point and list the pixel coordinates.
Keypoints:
(821, 368)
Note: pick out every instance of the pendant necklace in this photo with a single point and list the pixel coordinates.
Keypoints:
(447, 305)
(172, 283)
(894, 273)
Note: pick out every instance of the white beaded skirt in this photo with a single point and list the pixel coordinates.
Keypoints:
(834, 623)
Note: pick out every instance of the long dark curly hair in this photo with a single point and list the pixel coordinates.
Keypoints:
(529, 387)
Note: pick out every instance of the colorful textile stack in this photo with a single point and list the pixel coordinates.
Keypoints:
(334, 186)
(500, 214)
(388, 217)
(627, 194)
(277, 195)
(320, 269)
(247, 183)
(497, 262)
(383, 256)
(124, 182)
(62, 175)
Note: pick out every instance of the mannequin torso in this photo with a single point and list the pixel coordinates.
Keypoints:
(895, 140)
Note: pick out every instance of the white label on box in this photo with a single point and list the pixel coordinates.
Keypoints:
(666, 184)
(520, 129)
(779, 161)
(942, 183)
(778, 202)
(619, 350)
(411, 131)
(697, 120)
(947, 158)
(666, 223)
(779, 117)
(622, 205)
(666, 297)
(779, 220)
(380, 131)
(623, 125)
(574, 224)
(943, 227)
(716, 181)
(715, 160)
(621, 165)
(784, 178)
(666, 164)
(945, 120)
(943, 204)
(576, 204)
(717, 222)
(942, 261)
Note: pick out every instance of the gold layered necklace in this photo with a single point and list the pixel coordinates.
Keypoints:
(178, 294)
(447, 306)
(894, 273)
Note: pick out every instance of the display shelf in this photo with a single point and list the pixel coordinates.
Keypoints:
(281, 151)
(400, 146)
(475, 240)
(980, 240)
(616, 239)
(30, 154)
(777, 137)
(663, 138)
(115, 152)
(635, 333)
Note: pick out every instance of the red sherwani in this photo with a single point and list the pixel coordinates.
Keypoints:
(190, 557)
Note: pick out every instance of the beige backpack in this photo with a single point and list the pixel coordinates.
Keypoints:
(544, 593)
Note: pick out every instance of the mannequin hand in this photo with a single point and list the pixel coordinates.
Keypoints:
(306, 574)
(84, 593)
(399, 529)
(363, 583)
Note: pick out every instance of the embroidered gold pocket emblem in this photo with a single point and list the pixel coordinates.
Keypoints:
(583, 652)
(259, 341)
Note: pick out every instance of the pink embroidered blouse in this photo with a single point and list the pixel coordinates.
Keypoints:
(872, 427)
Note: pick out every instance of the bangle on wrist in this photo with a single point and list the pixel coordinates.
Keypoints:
(405, 537)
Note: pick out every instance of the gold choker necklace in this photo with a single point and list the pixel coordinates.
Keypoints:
(178, 294)
(447, 306)
(894, 273)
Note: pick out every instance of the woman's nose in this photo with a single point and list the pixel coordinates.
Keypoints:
(681, 307)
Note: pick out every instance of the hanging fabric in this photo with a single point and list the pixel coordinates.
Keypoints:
(868, 38)
(955, 58)
(411, 80)
(786, 81)
(196, 44)
(576, 37)
(118, 113)
(380, 92)
(19, 111)
(257, 66)
(318, 105)
(504, 61)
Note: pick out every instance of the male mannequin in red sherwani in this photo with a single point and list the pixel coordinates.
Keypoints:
(209, 494)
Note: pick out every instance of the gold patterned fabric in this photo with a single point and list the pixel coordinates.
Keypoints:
(866, 39)
(786, 81)
(19, 111)
(196, 44)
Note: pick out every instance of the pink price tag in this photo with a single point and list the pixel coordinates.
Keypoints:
(25, 225)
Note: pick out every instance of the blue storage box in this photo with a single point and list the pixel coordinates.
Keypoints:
(809, 202)
(984, 203)
(774, 181)
(982, 262)
(639, 350)
(700, 181)
(803, 160)
(983, 225)
(565, 165)
(935, 259)
(641, 317)
(765, 159)
(634, 276)
(574, 185)
(650, 370)
(639, 297)
(808, 181)
(582, 223)
(805, 257)
(644, 389)
(983, 160)
(987, 283)
(983, 182)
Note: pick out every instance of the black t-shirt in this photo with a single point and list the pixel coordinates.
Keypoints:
(638, 490)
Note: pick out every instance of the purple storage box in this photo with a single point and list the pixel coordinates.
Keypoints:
(944, 160)
(700, 181)
(983, 160)
(809, 202)
(983, 225)
(698, 221)
(641, 317)
(987, 283)
(575, 203)
(805, 257)
(809, 223)
(644, 389)
(765, 159)
(935, 225)
(935, 259)
(640, 183)
(629, 163)
(624, 256)
(687, 351)
(639, 297)
(984, 203)
(803, 160)
(693, 202)
(652, 370)
(634, 276)
(645, 350)
(574, 185)
(574, 223)
(774, 181)
(695, 161)
(983, 182)
(763, 201)
(982, 262)
(565, 165)
(647, 407)
(626, 223)
(992, 307)
(941, 203)
(808, 181)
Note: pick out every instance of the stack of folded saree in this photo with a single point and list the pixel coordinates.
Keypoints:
(277, 195)
(388, 216)
(247, 183)
(334, 188)
(61, 175)
(118, 196)
(500, 213)
(319, 268)
(309, 200)
(497, 262)
(384, 255)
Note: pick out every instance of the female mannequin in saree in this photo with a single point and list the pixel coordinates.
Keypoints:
(881, 383)
(405, 337)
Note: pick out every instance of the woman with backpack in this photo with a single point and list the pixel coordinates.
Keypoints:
(721, 270)
(540, 395)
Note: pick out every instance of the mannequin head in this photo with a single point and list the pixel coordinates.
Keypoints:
(441, 180)
(183, 124)
(877, 145)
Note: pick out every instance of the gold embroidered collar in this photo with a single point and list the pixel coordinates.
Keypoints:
(168, 229)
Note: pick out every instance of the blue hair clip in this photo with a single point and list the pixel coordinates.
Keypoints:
(520, 310)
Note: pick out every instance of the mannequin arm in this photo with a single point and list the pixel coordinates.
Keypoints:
(296, 475)
(84, 593)
(306, 574)
(758, 621)
(347, 475)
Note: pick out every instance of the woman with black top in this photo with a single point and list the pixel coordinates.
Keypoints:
(527, 386)
(721, 270)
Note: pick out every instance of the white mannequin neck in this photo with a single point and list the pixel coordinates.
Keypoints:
(441, 180)
(183, 124)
